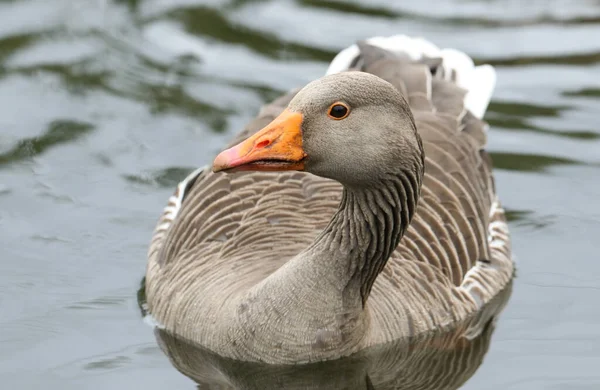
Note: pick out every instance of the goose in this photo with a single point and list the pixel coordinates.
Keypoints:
(354, 212)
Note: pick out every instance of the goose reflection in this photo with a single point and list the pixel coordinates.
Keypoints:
(439, 361)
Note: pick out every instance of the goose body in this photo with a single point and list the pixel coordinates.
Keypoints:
(352, 232)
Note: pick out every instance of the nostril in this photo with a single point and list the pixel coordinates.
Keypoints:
(262, 144)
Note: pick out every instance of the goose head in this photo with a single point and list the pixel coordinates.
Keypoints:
(352, 127)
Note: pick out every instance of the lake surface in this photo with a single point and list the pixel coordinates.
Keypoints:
(105, 105)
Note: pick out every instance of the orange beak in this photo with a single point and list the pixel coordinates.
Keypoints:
(277, 147)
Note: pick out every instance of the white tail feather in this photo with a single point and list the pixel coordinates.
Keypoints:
(479, 81)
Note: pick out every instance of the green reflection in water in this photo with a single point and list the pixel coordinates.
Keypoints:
(164, 178)
(518, 124)
(517, 215)
(132, 5)
(58, 132)
(528, 162)
(264, 92)
(204, 21)
(78, 79)
(568, 59)
(525, 109)
(351, 8)
(584, 92)
(11, 44)
(173, 98)
(513, 116)
(528, 218)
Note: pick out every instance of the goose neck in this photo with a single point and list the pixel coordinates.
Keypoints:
(366, 229)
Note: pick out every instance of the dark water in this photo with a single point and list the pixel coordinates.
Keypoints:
(105, 105)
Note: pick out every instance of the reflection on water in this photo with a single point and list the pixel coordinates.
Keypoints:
(440, 361)
(107, 103)
(58, 132)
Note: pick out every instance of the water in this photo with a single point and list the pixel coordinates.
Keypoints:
(107, 104)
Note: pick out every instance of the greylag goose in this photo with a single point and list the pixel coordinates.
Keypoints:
(357, 211)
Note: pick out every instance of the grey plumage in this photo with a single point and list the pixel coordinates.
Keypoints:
(219, 269)
(440, 361)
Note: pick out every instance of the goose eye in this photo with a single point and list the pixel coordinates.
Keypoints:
(338, 111)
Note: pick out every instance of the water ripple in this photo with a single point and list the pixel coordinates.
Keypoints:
(57, 132)
(107, 104)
